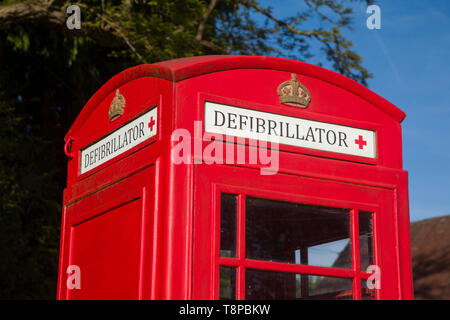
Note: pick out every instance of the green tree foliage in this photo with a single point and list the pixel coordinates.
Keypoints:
(48, 72)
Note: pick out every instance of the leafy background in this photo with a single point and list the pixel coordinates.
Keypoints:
(48, 72)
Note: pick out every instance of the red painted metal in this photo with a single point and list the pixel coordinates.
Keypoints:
(356, 263)
(68, 146)
(300, 188)
(141, 227)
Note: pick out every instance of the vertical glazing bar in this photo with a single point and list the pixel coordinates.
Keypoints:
(356, 263)
(304, 279)
(217, 227)
(376, 251)
(240, 286)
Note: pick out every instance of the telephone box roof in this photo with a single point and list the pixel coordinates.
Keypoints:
(185, 68)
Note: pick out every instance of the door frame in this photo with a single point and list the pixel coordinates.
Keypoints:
(212, 180)
(137, 187)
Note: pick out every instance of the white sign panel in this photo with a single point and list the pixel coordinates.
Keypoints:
(119, 141)
(292, 131)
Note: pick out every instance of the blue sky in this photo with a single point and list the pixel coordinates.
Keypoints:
(409, 58)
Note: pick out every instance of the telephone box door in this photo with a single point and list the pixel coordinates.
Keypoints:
(108, 242)
(291, 237)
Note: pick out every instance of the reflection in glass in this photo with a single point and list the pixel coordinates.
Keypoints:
(297, 233)
(227, 288)
(332, 254)
(366, 293)
(366, 239)
(261, 284)
(228, 226)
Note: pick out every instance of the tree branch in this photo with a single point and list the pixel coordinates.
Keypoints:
(37, 11)
(118, 30)
(55, 17)
(201, 26)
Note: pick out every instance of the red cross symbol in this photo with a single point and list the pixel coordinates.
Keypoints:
(361, 142)
(151, 123)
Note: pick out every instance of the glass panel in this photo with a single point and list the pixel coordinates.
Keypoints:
(228, 225)
(297, 233)
(227, 286)
(335, 254)
(261, 284)
(330, 288)
(366, 239)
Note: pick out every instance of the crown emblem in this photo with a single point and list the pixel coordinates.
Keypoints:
(117, 106)
(294, 93)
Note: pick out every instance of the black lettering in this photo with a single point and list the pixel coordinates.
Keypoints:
(342, 137)
(129, 131)
(272, 125)
(333, 136)
(230, 120)
(141, 129)
(86, 160)
(310, 134)
(135, 132)
(287, 131)
(125, 140)
(119, 145)
(298, 133)
(242, 122)
(320, 133)
(115, 144)
(108, 144)
(259, 125)
(215, 120)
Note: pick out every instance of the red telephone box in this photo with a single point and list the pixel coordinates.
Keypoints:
(235, 177)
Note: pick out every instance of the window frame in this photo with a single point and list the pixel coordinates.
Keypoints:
(307, 185)
(241, 263)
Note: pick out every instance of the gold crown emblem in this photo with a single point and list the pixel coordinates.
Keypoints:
(294, 93)
(117, 106)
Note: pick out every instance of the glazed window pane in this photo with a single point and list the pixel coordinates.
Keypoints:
(228, 225)
(261, 284)
(297, 233)
(227, 285)
(366, 239)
